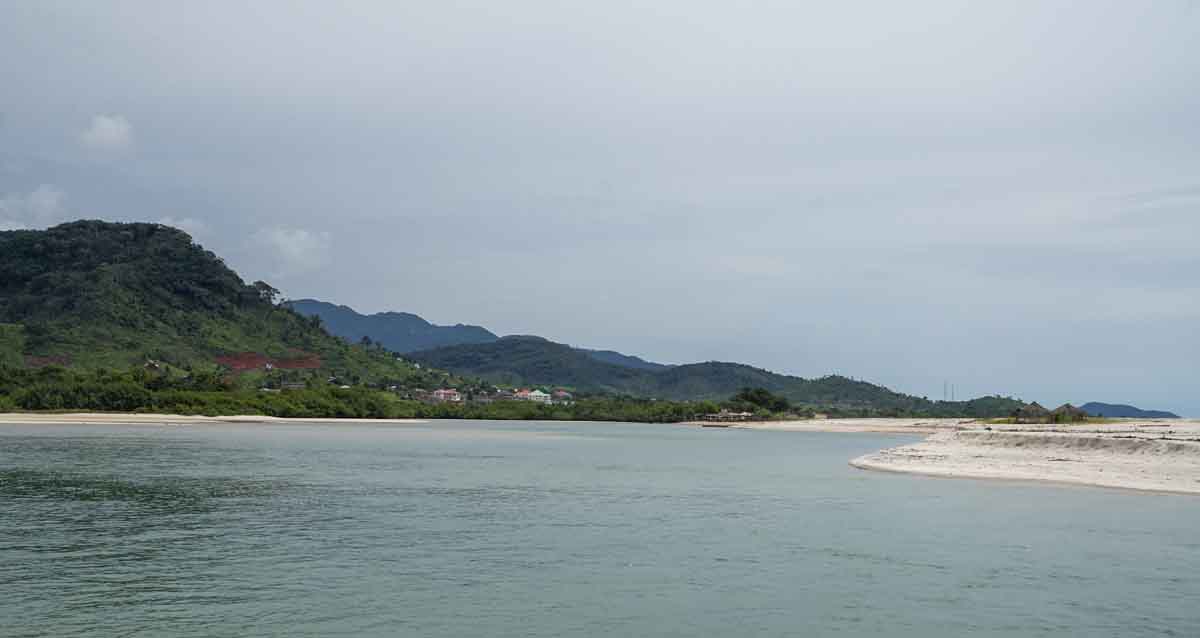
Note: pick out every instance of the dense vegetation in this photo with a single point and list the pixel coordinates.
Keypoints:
(105, 316)
(138, 390)
(536, 361)
(93, 294)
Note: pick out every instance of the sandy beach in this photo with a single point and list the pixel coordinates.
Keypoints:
(878, 426)
(1159, 456)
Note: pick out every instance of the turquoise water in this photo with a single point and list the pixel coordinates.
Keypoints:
(550, 529)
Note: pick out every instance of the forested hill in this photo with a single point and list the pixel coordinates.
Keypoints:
(406, 332)
(536, 361)
(396, 331)
(96, 294)
(620, 359)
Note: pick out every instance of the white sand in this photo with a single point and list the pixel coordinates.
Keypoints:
(1162, 456)
(883, 426)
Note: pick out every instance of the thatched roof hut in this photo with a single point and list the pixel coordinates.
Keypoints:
(1032, 413)
(1067, 413)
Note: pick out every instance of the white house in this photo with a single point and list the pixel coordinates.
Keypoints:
(451, 395)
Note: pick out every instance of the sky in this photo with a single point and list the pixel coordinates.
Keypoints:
(1000, 196)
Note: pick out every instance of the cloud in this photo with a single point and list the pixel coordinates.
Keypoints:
(40, 208)
(108, 132)
(294, 250)
(189, 225)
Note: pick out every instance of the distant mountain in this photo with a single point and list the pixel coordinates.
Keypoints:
(405, 332)
(396, 331)
(1120, 411)
(535, 361)
(628, 361)
(94, 294)
(517, 360)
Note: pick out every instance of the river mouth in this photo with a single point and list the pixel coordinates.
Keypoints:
(506, 529)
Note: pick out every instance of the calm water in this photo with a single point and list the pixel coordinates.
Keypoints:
(538, 529)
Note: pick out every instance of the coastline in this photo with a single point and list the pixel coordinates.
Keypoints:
(883, 425)
(1151, 455)
(1142, 455)
(140, 418)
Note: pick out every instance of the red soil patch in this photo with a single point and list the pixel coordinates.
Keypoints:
(32, 361)
(243, 361)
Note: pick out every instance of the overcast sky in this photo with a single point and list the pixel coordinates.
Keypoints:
(1003, 195)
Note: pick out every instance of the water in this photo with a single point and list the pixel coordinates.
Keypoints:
(541, 529)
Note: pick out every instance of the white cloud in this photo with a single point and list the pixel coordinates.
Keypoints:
(189, 225)
(40, 208)
(294, 250)
(108, 132)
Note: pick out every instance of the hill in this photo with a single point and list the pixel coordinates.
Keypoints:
(405, 332)
(625, 360)
(518, 360)
(1117, 410)
(94, 294)
(536, 361)
(397, 331)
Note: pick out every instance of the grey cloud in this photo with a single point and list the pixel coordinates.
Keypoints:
(897, 192)
(41, 207)
(108, 133)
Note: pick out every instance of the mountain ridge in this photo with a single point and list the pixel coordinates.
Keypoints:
(519, 360)
(406, 332)
(1122, 411)
(401, 332)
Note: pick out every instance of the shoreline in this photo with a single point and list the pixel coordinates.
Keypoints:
(142, 418)
(875, 425)
(1145, 455)
(1158, 456)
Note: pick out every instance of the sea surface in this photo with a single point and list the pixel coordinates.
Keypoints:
(460, 528)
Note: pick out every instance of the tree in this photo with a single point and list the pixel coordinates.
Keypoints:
(761, 398)
(266, 291)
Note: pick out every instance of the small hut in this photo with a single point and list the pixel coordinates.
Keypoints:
(1032, 413)
(1067, 413)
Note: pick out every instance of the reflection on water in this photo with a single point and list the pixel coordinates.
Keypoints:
(538, 529)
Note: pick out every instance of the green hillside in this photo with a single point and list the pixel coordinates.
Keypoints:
(536, 361)
(94, 294)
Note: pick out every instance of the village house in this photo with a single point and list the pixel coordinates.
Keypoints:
(561, 397)
(1067, 413)
(537, 396)
(447, 396)
(729, 415)
(1032, 413)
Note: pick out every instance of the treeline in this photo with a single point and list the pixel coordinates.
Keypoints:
(138, 390)
(208, 393)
